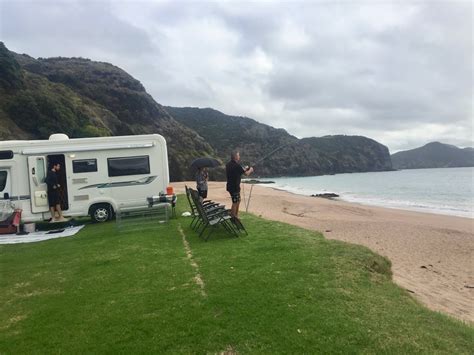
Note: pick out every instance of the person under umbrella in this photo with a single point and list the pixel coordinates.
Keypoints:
(202, 177)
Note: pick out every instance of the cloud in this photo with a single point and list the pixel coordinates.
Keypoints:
(69, 28)
(399, 72)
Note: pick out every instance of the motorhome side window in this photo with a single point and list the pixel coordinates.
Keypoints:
(3, 180)
(6, 154)
(84, 166)
(129, 166)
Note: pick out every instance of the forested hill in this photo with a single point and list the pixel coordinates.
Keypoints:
(84, 98)
(434, 155)
(297, 157)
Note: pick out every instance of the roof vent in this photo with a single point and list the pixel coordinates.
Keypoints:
(58, 137)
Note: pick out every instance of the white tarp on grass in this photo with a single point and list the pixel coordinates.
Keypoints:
(39, 236)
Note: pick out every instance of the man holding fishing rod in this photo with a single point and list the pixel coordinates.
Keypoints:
(234, 173)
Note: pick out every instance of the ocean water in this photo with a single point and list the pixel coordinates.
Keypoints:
(443, 191)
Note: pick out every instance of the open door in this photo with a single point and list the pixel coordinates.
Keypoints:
(62, 179)
(38, 188)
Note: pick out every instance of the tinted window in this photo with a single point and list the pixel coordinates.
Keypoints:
(6, 154)
(84, 165)
(128, 166)
(3, 180)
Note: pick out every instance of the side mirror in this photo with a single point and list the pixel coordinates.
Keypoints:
(6, 196)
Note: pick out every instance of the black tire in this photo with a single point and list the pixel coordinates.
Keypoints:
(102, 212)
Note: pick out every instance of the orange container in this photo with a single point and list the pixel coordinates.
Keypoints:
(170, 190)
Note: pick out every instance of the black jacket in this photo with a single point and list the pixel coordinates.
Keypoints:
(234, 173)
(52, 180)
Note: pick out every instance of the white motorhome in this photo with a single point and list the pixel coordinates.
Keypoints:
(98, 176)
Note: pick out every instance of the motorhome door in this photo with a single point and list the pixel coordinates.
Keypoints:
(38, 188)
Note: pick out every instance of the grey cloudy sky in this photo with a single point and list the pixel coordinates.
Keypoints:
(400, 72)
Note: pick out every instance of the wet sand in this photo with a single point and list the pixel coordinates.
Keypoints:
(432, 255)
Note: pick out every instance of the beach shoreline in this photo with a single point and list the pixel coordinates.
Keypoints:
(364, 204)
(431, 254)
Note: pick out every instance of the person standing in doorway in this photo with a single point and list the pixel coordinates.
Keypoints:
(52, 182)
(234, 173)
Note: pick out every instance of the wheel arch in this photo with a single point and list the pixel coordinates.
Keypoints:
(93, 204)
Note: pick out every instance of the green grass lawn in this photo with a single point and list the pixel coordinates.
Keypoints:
(282, 289)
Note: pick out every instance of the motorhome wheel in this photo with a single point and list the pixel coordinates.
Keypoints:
(101, 213)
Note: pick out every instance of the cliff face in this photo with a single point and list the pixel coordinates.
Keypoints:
(308, 156)
(83, 98)
(434, 155)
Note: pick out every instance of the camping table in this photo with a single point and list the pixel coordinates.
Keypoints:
(164, 199)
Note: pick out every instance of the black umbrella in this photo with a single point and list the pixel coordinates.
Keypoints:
(204, 163)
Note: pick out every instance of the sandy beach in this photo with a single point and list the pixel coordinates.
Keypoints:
(432, 255)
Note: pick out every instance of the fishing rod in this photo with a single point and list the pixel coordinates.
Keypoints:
(270, 154)
(256, 163)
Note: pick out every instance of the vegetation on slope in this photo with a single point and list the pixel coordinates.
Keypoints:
(352, 153)
(83, 98)
(309, 156)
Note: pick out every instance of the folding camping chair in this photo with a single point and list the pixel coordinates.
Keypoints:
(212, 217)
(207, 205)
